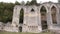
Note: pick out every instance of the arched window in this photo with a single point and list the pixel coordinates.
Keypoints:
(43, 9)
(43, 12)
(32, 10)
(53, 14)
(21, 16)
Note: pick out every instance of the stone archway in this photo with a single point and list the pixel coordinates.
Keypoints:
(43, 12)
(53, 14)
(21, 19)
(21, 16)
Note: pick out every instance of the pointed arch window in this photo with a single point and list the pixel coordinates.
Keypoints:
(53, 14)
(43, 9)
(43, 12)
(21, 16)
(32, 10)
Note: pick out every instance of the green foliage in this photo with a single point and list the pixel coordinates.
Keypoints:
(17, 3)
(33, 2)
(6, 11)
(27, 3)
(25, 33)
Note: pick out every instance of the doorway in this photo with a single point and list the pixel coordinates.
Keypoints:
(43, 12)
(20, 29)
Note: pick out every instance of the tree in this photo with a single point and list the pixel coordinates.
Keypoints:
(6, 12)
(27, 3)
(17, 3)
(22, 3)
(33, 2)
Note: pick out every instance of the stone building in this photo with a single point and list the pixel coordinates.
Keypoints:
(36, 18)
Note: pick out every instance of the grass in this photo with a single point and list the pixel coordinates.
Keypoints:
(24, 33)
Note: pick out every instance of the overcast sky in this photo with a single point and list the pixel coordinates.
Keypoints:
(13, 1)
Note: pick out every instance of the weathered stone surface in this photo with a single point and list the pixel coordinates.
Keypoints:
(32, 20)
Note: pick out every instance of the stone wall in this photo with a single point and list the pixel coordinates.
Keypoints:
(32, 19)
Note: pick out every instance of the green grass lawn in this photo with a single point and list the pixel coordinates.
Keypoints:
(24, 33)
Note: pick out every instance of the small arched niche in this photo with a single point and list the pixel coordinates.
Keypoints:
(53, 14)
(20, 29)
(32, 10)
(21, 16)
(43, 12)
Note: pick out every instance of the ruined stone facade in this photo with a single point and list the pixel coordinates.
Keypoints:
(35, 18)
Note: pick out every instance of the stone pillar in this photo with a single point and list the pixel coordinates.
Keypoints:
(15, 21)
(16, 13)
(57, 16)
(39, 20)
(49, 20)
(25, 27)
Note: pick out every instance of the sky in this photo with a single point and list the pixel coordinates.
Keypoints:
(39, 1)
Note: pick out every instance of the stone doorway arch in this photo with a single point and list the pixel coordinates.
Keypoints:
(53, 14)
(43, 12)
(55, 10)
